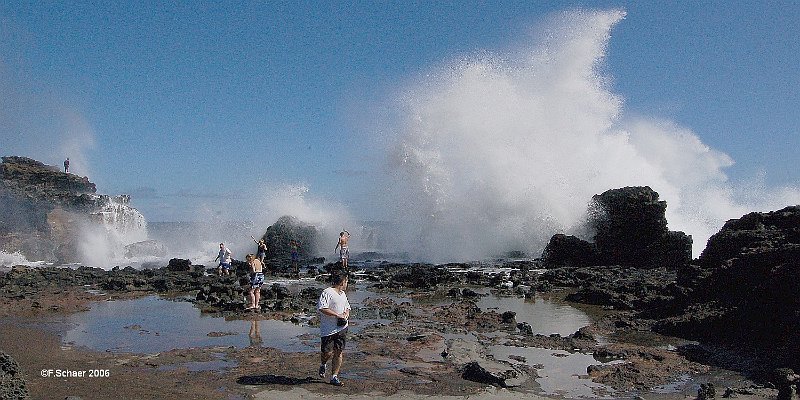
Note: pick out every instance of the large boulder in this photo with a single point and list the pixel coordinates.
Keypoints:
(752, 260)
(279, 237)
(569, 251)
(631, 230)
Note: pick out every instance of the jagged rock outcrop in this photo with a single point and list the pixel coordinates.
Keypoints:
(39, 182)
(745, 289)
(34, 197)
(43, 210)
(630, 230)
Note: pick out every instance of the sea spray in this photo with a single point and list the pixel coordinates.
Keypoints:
(249, 217)
(108, 230)
(8, 260)
(329, 218)
(497, 153)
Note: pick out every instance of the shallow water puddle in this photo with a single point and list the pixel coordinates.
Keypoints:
(544, 316)
(152, 324)
(560, 373)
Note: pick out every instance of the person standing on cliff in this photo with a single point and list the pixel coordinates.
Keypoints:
(334, 310)
(66, 166)
(225, 261)
(344, 252)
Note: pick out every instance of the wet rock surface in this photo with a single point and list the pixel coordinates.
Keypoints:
(411, 341)
(622, 288)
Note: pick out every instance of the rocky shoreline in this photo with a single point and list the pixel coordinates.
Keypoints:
(631, 299)
(735, 308)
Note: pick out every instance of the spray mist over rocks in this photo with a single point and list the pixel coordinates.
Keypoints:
(108, 230)
(329, 218)
(236, 221)
(497, 153)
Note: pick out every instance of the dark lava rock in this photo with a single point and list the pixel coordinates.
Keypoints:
(421, 277)
(280, 235)
(623, 288)
(21, 281)
(161, 280)
(744, 290)
(788, 383)
(569, 251)
(509, 317)
(12, 385)
(631, 230)
(472, 371)
(178, 264)
(706, 391)
(753, 232)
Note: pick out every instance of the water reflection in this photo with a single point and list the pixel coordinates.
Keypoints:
(544, 316)
(560, 373)
(152, 324)
(255, 333)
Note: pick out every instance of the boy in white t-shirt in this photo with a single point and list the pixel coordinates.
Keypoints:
(334, 311)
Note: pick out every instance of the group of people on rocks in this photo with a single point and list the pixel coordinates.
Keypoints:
(332, 305)
(225, 257)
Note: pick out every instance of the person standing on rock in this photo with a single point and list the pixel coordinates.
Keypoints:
(225, 261)
(66, 166)
(344, 252)
(256, 280)
(261, 253)
(334, 310)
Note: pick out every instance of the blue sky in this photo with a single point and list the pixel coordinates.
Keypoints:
(180, 103)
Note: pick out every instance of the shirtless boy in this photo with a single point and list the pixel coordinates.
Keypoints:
(344, 253)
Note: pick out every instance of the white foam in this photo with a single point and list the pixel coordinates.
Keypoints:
(499, 152)
(8, 260)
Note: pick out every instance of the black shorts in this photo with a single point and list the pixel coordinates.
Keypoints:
(334, 342)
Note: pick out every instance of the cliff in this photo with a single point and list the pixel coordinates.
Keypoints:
(42, 210)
